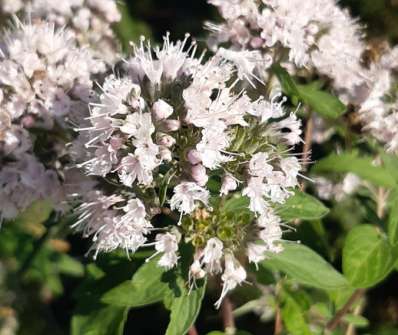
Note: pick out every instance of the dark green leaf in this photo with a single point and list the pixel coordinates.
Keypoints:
(302, 206)
(68, 265)
(288, 84)
(146, 287)
(361, 166)
(185, 309)
(393, 220)
(105, 320)
(367, 256)
(306, 267)
(321, 102)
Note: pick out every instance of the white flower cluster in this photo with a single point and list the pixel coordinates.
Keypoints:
(305, 34)
(90, 20)
(45, 82)
(174, 119)
(379, 109)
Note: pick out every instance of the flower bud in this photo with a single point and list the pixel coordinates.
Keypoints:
(161, 110)
(194, 157)
(199, 175)
(28, 121)
(165, 140)
(170, 125)
(229, 184)
(165, 154)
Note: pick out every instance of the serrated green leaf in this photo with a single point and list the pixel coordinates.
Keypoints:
(185, 309)
(306, 267)
(236, 204)
(146, 287)
(362, 166)
(367, 256)
(302, 206)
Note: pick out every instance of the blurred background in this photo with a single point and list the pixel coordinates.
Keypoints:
(57, 274)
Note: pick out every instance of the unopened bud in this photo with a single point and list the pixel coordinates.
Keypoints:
(165, 154)
(199, 175)
(171, 125)
(161, 110)
(165, 140)
(193, 157)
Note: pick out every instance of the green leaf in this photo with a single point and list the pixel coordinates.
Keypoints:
(363, 167)
(367, 256)
(356, 320)
(321, 102)
(146, 287)
(68, 265)
(306, 267)
(185, 309)
(293, 316)
(107, 320)
(302, 206)
(288, 84)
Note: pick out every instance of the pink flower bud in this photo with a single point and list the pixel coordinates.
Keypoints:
(161, 110)
(256, 42)
(165, 140)
(171, 125)
(165, 154)
(28, 121)
(193, 157)
(199, 175)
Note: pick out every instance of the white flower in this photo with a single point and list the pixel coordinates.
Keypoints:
(167, 244)
(259, 166)
(228, 184)
(234, 275)
(291, 167)
(256, 190)
(186, 196)
(212, 255)
(256, 252)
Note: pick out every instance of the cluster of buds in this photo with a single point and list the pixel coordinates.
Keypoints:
(161, 133)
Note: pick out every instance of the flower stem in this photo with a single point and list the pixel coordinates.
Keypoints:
(228, 316)
(334, 322)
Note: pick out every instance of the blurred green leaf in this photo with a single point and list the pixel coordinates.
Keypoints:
(356, 320)
(145, 288)
(185, 308)
(302, 206)
(69, 266)
(293, 316)
(367, 256)
(321, 102)
(362, 166)
(129, 28)
(37, 213)
(306, 267)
